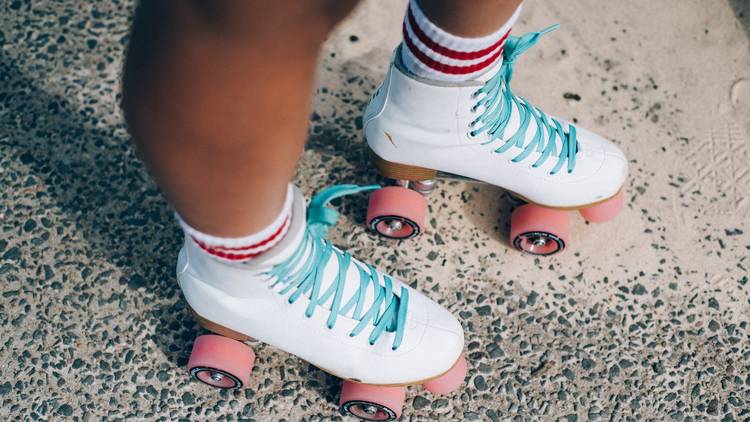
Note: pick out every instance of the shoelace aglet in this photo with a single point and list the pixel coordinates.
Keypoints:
(549, 29)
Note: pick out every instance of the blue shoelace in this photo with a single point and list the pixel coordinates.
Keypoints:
(307, 279)
(498, 106)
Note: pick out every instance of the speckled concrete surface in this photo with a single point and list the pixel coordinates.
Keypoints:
(644, 318)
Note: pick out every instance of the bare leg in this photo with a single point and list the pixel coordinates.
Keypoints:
(217, 97)
(469, 18)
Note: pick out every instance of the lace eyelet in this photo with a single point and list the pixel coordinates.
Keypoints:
(471, 134)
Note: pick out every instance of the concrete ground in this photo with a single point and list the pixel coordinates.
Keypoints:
(643, 318)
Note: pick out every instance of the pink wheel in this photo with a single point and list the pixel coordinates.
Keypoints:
(538, 230)
(220, 361)
(604, 211)
(372, 402)
(396, 212)
(449, 381)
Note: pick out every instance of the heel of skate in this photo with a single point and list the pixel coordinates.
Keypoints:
(398, 171)
(400, 212)
(218, 328)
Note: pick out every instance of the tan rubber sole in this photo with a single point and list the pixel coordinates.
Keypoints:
(236, 335)
(398, 171)
(218, 328)
(401, 171)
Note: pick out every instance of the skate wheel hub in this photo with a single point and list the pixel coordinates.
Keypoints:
(216, 378)
(538, 230)
(369, 411)
(539, 243)
(396, 212)
(395, 225)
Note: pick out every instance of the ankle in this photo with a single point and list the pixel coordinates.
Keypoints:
(431, 52)
(244, 248)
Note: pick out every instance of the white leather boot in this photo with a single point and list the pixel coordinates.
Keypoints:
(315, 301)
(481, 130)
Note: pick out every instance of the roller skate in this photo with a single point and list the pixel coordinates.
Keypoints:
(311, 299)
(418, 129)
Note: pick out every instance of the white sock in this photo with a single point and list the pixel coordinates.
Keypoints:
(433, 53)
(238, 249)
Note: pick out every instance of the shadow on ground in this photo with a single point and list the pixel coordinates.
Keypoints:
(741, 9)
(90, 173)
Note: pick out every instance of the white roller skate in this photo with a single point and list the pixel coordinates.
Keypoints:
(481, 130)
(315, 301)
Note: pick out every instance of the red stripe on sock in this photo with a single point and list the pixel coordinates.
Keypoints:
(446, 68)
(262, 243)
(445, 51)
(227, 253)
(230, 256)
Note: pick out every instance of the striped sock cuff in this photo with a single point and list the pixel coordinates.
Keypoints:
(238, 249)
(433, 53)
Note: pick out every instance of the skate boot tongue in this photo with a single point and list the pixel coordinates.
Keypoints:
(333, 280)
(513, 122)
(490, 73)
